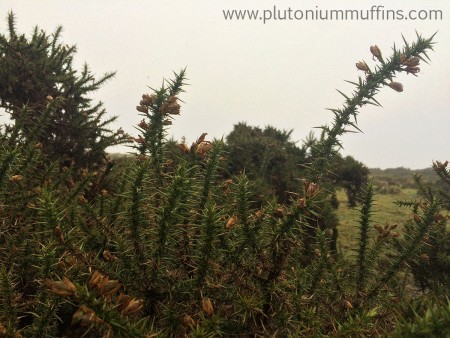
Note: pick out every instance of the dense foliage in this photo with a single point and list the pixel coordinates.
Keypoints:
(169, 247)
(274, 163)
(36, 70)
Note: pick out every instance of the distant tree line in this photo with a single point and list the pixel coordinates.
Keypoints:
(276, 163)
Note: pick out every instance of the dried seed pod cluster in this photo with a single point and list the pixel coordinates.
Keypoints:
(63, 288)
(407, 64)
(199, 147)
(386, 231)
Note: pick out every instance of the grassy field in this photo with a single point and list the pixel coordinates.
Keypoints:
(384, 211)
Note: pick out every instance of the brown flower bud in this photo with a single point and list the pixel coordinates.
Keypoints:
(412, 62)
(82, 199)
(86, 317)
(148, 100)
(58, 233)
(122, 301)
(259, 214)
(201, 138)
(77, 316)
(393, 226)
(438, 217)
(231, 222)
(203, 148)
(96, 278)
(133, 306)
(108, 287)
(317, 252)
(278, 212)
(139, 140)
(64, 288)
(37, 190)
(424, 257)
(142, 109)
(312, 189)
(143, 124)
(188, 320)
(301, 203)
(375, 52)
(362, 66)
(417, 218)
(227, 183)
(348, 305)
(397, 86)
(412, 70)
(16, 178)
(170, 107)
(49, 98)
(394, 234)
(184, 148)
(109, 256)
(207, 307)
(38, 145)
(441, 165)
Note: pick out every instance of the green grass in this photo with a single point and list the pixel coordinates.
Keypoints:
(384, 211)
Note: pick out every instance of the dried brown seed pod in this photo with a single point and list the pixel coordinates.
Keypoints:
(397, 86)
(231, 222)
(16, 178)
(375, 52)
(361, 65)
(207, 307)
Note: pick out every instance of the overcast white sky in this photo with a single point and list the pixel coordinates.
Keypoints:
(282, 73)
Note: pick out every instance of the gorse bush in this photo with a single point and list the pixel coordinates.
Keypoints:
(35, 70)
(167, 247)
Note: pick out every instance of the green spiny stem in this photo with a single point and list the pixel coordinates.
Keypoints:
(363, 95)
(243, 211)
(210, 172)
(411, 247)
(422, 189)
(288, 223)
(8, 298)
(317, 267)
(45, 318)
(5, 166)
(330, 266)
(117, 202)
(135, 212)
(154, 134)
(208, 238)
(176, 192)
(364, 223)
(79, 188)
(42, 123)
(49, 210)
(104, 230)
(109, 314)
(280, 249)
